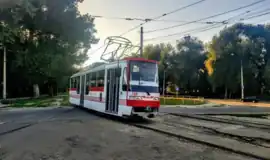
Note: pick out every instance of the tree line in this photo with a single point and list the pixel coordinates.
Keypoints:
(45, 41)
(213, 69)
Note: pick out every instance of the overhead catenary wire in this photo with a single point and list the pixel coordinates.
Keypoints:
(158, 17)
(200, 20)
(258, 12)
(205, 18)
(179, 33)
(202, 28)
(163, 15)
(253, 17)
(256, 16)
(193, 31)
(152, 20)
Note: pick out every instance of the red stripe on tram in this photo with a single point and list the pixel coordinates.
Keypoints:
(142, 103)
(96, 89)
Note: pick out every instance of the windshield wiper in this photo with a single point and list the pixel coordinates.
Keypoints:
(142, 86)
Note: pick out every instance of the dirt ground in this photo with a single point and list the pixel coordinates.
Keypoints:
(79, 135)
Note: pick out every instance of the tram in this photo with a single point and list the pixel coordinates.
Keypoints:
(125, 88)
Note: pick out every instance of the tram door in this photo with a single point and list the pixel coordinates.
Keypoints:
(82, 90)
(112, 91)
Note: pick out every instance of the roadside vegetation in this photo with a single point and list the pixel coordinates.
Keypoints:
(60, 100)
(171, 101)
(36, 47)
(212, 69)
(40, 51)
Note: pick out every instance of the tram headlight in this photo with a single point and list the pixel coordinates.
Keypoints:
(148, 108)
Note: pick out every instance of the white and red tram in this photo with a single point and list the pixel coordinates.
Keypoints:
(123, 88)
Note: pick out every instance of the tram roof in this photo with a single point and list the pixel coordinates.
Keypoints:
(101, 67)
(88, 70)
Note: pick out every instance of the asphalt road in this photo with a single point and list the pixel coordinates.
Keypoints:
(218, 110)
(74, 134)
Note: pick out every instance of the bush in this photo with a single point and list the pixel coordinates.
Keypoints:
(6, 101)
(172, 101)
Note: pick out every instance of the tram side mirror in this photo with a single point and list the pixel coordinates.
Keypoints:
(118, 72)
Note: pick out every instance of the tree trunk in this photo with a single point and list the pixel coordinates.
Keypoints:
(51, 92)
(262, 89)
(226, 93)
(36, 90)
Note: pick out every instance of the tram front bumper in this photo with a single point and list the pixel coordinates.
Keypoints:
(145, 112)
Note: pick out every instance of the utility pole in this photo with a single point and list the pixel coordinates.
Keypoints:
(164, 81)
(244, 39)
(242, 80)
(141, 46)
(4, 73)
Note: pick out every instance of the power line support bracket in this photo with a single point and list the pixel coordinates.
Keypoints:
(116, 48)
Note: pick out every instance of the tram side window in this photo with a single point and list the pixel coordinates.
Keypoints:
(78, 84)
(74, 82)
(88, 77)
(71, 83)
(100, 78)
(124, 80)
(93, 79)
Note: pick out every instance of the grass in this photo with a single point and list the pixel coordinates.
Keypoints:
(171, 101)
(41, 102)
(65, 101)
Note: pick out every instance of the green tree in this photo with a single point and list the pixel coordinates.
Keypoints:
(248, 43)
(160, 53)
(186, 65)
(96, 64)
(48, 43)
(157, 52)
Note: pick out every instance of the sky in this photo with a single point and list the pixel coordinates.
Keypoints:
(153, 8)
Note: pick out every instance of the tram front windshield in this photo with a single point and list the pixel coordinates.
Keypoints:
(143, 71)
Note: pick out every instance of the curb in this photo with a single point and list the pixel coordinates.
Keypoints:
(30, 108)
(195, 106)
(2, 106)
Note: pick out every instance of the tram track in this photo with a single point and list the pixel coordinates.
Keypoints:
(226, 121)
(252, 151)
(204, 136)
(211, 131)
(257, 147)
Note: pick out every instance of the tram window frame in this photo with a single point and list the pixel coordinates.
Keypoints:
(74, 82)
(100, 78)
(87, 83)
(71, 85)
(124, 82)
(93, 80)
(78, 84)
